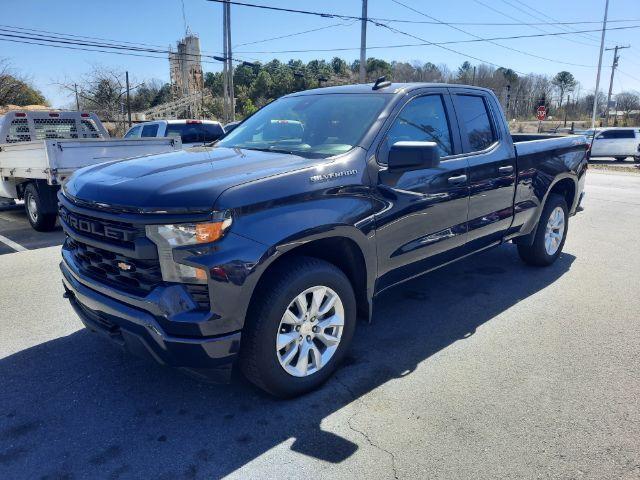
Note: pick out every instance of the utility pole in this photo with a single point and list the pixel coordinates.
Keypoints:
(75, 88)
(614, 65)
(473, 80)
(232, 100)
(225, 77)
(128, 99)
(363, 43)
(595, 96)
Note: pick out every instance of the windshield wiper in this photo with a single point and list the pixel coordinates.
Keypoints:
(274, 150)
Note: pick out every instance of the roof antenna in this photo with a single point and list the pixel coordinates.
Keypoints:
(381, 82)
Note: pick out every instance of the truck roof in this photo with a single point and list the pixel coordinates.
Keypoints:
(393, 88)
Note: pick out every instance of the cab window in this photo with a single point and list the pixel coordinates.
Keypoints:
(475, 122)
(150, 130)
(423, 119)
(616, 134)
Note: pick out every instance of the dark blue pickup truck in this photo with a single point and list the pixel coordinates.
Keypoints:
(262, 249)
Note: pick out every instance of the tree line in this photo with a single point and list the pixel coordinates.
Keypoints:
(103, 89)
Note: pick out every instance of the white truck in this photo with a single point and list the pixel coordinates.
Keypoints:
(617, 142)
(40, 149)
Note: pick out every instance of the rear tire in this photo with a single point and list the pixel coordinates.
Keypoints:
(550, 235)
(275, 319)
(33, 203)
(620, 159)
(636, 159)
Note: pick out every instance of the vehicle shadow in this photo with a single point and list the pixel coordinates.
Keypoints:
(76, 407)
(15, 226)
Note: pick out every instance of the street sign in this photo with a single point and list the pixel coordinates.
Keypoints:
(541, 113)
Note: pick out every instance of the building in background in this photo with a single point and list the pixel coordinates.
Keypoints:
(186, 67)
(187, 82)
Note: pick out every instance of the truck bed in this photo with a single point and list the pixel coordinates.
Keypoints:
(531, 144)
(54, 160)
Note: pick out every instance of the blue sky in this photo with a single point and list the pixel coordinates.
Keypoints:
(159, 22)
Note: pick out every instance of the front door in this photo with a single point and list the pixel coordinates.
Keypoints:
(422, 220)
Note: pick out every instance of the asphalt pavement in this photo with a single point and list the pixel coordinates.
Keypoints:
(484, 369)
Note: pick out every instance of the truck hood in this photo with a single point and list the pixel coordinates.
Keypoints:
(188, 180)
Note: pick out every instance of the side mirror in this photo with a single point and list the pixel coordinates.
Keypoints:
(413, 156)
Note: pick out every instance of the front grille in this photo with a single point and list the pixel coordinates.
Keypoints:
(133, 275)
(117, 233)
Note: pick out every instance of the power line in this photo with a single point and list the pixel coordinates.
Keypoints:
(500, 12)
(80, 36)
(490, 41)
(35, 31)
(588, 37)
(67, 41)
(392, 20)
(449, 42)
(516, 7)
(264, 40)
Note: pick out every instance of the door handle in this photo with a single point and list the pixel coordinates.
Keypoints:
(458, 179)
(506, 169)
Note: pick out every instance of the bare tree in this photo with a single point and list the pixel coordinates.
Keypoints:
(627, 102)
(103, 90)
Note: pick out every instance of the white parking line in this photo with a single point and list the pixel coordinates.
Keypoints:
(11, 244)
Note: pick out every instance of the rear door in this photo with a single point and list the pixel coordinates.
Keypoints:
(423, 222)
(488, 148)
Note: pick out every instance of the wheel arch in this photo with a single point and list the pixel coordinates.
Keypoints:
(340, 250)
(564, 185)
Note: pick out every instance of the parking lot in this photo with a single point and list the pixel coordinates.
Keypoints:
(486, 368)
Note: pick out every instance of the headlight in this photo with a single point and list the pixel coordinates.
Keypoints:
(167, 237)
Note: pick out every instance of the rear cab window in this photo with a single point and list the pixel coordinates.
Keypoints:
(150, 130)
(195, 132)
(476, 124)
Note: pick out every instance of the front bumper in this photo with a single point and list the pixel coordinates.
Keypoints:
(139, 331)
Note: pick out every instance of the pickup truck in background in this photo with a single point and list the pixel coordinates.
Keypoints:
(261, 250)
(191, 132)
(617, 142)
(40, 149)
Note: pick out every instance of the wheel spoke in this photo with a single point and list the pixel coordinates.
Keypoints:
(328, 339)
(301, 302)
(332, 321)
(287, 357)
(290, 319)
(302, 365)
(316, 300)
(317, 357)
(285, 339)
(328, 304)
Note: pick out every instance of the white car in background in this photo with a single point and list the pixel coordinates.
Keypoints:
(619, 143)
(192, 132)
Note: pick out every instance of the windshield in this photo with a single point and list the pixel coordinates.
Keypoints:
(309, 125)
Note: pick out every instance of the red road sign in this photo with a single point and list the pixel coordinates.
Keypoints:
(541, 113)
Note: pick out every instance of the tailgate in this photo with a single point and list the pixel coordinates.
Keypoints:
(65, 156)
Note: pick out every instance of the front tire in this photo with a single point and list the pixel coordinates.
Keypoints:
(620, 159)
(550, 235)
(299, 327)
(33, 203)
